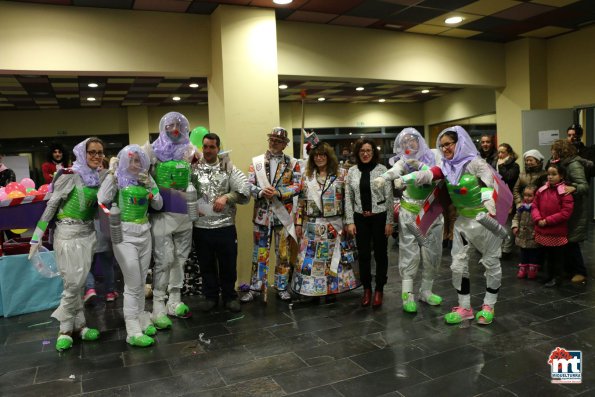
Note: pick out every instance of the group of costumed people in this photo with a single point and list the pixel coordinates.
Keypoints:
(337, 211)
(76, 193)
(470, 183)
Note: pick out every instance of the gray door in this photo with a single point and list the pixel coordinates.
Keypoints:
(539, 122)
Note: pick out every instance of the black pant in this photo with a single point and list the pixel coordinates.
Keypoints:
(574, 260)
(217, 247)
(370, 232)
(531, 256)
(554, 260)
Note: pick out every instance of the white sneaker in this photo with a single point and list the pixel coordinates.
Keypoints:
(249, 297)
(284, 295)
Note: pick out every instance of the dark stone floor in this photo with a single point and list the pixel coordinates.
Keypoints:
(337, 349)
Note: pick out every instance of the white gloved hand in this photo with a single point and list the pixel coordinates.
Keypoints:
(490, 205)
(113, 165)
(379, 182)
(33, 250)
(399, 184)
(413, 163)
(143, 178)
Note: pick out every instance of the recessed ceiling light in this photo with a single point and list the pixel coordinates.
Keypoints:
(321, 99)
(359, 88)
(193, 85)
(282, 86)
(382, 100)
(282, 1)
(425, 91)
(351, 133)
(91, 99)
(453, 20)
(176, 98)
(93, 85)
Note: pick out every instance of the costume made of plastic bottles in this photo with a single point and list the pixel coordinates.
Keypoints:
(130, 186)
(73, 201)
(413, 154)
(465, 173)
(170, 155)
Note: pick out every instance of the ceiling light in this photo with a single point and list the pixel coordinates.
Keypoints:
(282, 86)
(176, 98)
(393, 26)
(359, 89)
(351, 133)
(193, 85)
(321, 99)
(91, 99)
(382, 100)
(93, 85)
(453, 20)
(282, 1)
(425, 91)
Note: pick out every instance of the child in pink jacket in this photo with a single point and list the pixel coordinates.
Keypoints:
(550, 211)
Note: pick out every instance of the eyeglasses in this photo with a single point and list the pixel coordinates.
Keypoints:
(365, 151)
(276, 141)
(445, 146)
(95, 153)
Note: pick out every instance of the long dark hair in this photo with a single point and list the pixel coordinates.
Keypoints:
(358, 146)
(332, 164)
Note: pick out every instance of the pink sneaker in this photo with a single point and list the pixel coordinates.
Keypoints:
(111, 296)
(89, 294)
(458, 314)
(533, 270)
(486, 315)
(522, 273)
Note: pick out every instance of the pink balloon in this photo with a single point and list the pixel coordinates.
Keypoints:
(3, 196)
(27, 182)
(43, 188)
(15, 186)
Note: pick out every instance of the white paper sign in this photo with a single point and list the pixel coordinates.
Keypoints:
(546, 138)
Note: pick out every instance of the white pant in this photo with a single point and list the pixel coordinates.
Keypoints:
(487, 244)
(134, 256)
(410, 252)
(172, 241)
(74, 246)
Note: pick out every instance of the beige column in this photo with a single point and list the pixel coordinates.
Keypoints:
(526, 88)
(243, 97)
(138, 124)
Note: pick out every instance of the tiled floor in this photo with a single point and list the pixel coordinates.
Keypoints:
(337, 349)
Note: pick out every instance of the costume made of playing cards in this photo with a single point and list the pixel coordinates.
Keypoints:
(273, 217)
(327, 260)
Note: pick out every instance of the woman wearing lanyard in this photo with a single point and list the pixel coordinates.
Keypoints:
(326, 263)
(368, 217)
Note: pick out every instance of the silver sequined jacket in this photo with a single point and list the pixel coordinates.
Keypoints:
(381, 200)
(213, 181)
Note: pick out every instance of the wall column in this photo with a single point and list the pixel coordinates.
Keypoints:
(138, 124)
(243, 97)
(526, 89)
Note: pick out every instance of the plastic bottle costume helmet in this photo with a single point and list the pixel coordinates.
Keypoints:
(133, 196)
(172, 148)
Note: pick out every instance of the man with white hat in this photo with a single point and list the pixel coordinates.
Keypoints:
(274, 180)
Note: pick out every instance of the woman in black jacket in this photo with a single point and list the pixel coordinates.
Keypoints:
(509, 170)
